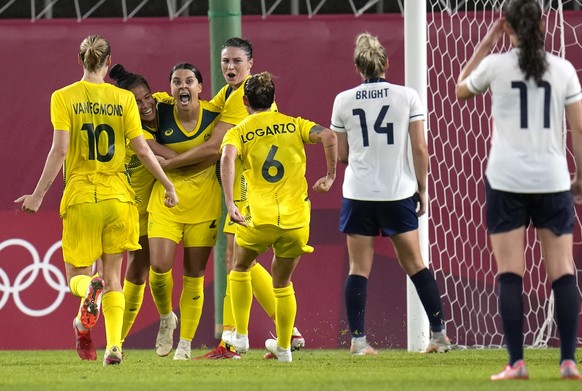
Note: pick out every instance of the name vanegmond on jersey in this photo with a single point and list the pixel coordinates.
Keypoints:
(268, 131)
(98, 108)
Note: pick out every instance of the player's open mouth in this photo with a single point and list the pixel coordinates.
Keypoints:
(231, 75)
(147, 111)
(184, 97)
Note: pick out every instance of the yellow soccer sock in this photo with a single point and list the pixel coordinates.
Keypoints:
(286, 309)
(263, 289)
(113, 305)
(191, 303)
(227, 316)
(241, 298)
(161, 286)
(78, 286)
(133, 299)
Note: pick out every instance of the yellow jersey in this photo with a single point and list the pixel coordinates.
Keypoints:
(199, 192)
(233, 111)
(99, 118)
(271, 147)
(140, 179)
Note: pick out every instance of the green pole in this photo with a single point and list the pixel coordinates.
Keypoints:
(225, 22)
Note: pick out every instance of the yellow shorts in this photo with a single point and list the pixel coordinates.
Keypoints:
(286, 243)
(229, 226)
(143, 224)
(93, 229)
(193, 235)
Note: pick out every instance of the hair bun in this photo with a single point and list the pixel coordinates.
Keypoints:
(117, 72)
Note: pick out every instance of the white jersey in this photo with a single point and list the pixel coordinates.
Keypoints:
(528, 145)
(376, 115)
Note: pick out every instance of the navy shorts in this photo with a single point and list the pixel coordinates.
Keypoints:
(507, 211)
(370, 218)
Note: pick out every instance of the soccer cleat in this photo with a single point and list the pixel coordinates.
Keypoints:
(297, 340)
(362, 349)
(439, 344)
(85, 348)
(183, 351)
(240, 342)
(283, 355)
(219, 353)
(91, 305)
(517, 371)
(226, 335)
(165, 337)
(568, 370)
(269, 356)
(112, 356)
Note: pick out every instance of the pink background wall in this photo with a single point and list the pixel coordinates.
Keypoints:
(313, 62)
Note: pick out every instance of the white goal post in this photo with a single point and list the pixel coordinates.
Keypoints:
(440, 36)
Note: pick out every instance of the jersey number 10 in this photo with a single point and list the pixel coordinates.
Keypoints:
(93, 135)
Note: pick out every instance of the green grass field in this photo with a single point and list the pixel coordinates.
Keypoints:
(310, 370)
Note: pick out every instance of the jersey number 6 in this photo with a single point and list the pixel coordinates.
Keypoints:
(271, 162)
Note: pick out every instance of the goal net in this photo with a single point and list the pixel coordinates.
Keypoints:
(459, 137)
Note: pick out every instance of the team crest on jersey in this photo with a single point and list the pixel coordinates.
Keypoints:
(168, 132)
(207, 136)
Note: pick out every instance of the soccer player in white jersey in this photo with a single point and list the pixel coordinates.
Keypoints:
(384, 191)
(527, 178)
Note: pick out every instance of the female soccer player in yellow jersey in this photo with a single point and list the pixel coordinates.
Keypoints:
(183, 124)
(142, 182)
(92, 119)
(277, 211)
(236, 63)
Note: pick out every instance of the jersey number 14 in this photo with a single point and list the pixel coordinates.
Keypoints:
(379, 126)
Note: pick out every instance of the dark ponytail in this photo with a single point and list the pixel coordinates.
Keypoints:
(127, 80)
(524, 18)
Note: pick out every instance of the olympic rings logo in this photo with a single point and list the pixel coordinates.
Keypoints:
(28, 276)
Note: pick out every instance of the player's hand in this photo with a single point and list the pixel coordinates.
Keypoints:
(30, 203)
(495, 33)
(170, 198)
(421, 200)
(323, 184)
(163, 161)
(576, 188)
(235, 215)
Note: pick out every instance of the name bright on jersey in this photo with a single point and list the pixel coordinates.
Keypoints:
(372, 94)
(268, 131)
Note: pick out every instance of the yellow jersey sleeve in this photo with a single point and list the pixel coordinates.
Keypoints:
(163, 97)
